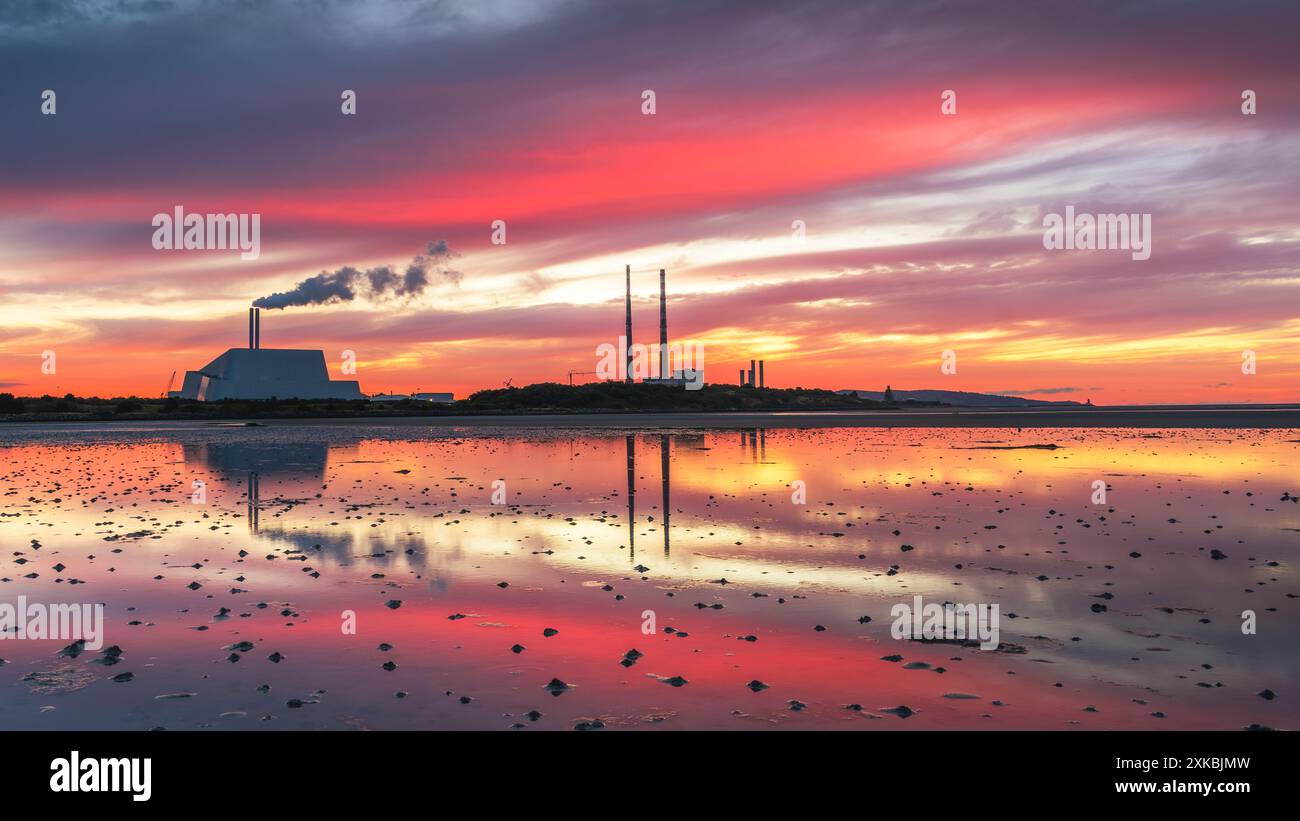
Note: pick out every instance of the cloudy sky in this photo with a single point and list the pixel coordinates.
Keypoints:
(923, 230)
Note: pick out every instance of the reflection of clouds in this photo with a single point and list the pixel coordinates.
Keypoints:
(433, 530)
(360, 547)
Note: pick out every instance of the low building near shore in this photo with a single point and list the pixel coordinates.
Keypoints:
(441, 398)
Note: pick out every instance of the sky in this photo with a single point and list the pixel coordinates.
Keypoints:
(923, 231)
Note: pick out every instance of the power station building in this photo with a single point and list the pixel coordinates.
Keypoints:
(265, 373)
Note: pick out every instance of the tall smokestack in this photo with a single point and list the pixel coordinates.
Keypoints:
(741, 380)
(751, 373)
(257, 328)
(663, 328)
(250, 328)
(760, 373)
(629, 324)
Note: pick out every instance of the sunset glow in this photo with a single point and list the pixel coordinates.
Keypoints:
(923, 231)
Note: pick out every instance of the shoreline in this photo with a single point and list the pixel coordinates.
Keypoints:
(1154, 417)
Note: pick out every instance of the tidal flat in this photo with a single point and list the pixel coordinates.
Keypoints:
(344, 575)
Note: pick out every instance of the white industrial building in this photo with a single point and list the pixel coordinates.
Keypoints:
(265, 373)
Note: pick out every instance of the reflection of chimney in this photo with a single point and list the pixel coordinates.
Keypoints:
(663, 328)
(257, 328)
(254, 503)
(250, 328)
(760, 373)
(631, 496)
(629, 324)
(663, 462)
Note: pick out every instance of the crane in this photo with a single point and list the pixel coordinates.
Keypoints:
(580, 373)
(170, 382)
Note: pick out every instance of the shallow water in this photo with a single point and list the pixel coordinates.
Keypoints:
(347, 517)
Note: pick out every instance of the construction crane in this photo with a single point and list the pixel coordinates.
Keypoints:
(170, 382)
(580, 373)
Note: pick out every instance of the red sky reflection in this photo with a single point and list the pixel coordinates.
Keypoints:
(351, 518)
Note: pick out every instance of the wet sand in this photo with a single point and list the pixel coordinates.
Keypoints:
(230, 613)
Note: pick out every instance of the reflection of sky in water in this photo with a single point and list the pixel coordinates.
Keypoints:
(350, 517)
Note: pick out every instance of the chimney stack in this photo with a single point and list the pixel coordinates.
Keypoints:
(629, 324)
(664, 373)
(741, 380)
(257, 329)
(250, 328)
(751, 373)
(760, 373)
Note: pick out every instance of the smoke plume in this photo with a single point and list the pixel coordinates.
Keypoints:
(347, 283)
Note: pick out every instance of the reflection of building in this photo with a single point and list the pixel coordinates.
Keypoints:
(264, 373)
(276, 460)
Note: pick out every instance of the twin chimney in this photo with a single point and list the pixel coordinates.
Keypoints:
(254, 329)
(665, 372)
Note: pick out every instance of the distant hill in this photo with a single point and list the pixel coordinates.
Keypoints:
(960, 398)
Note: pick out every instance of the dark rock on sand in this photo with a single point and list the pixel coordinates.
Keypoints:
(556, 687)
